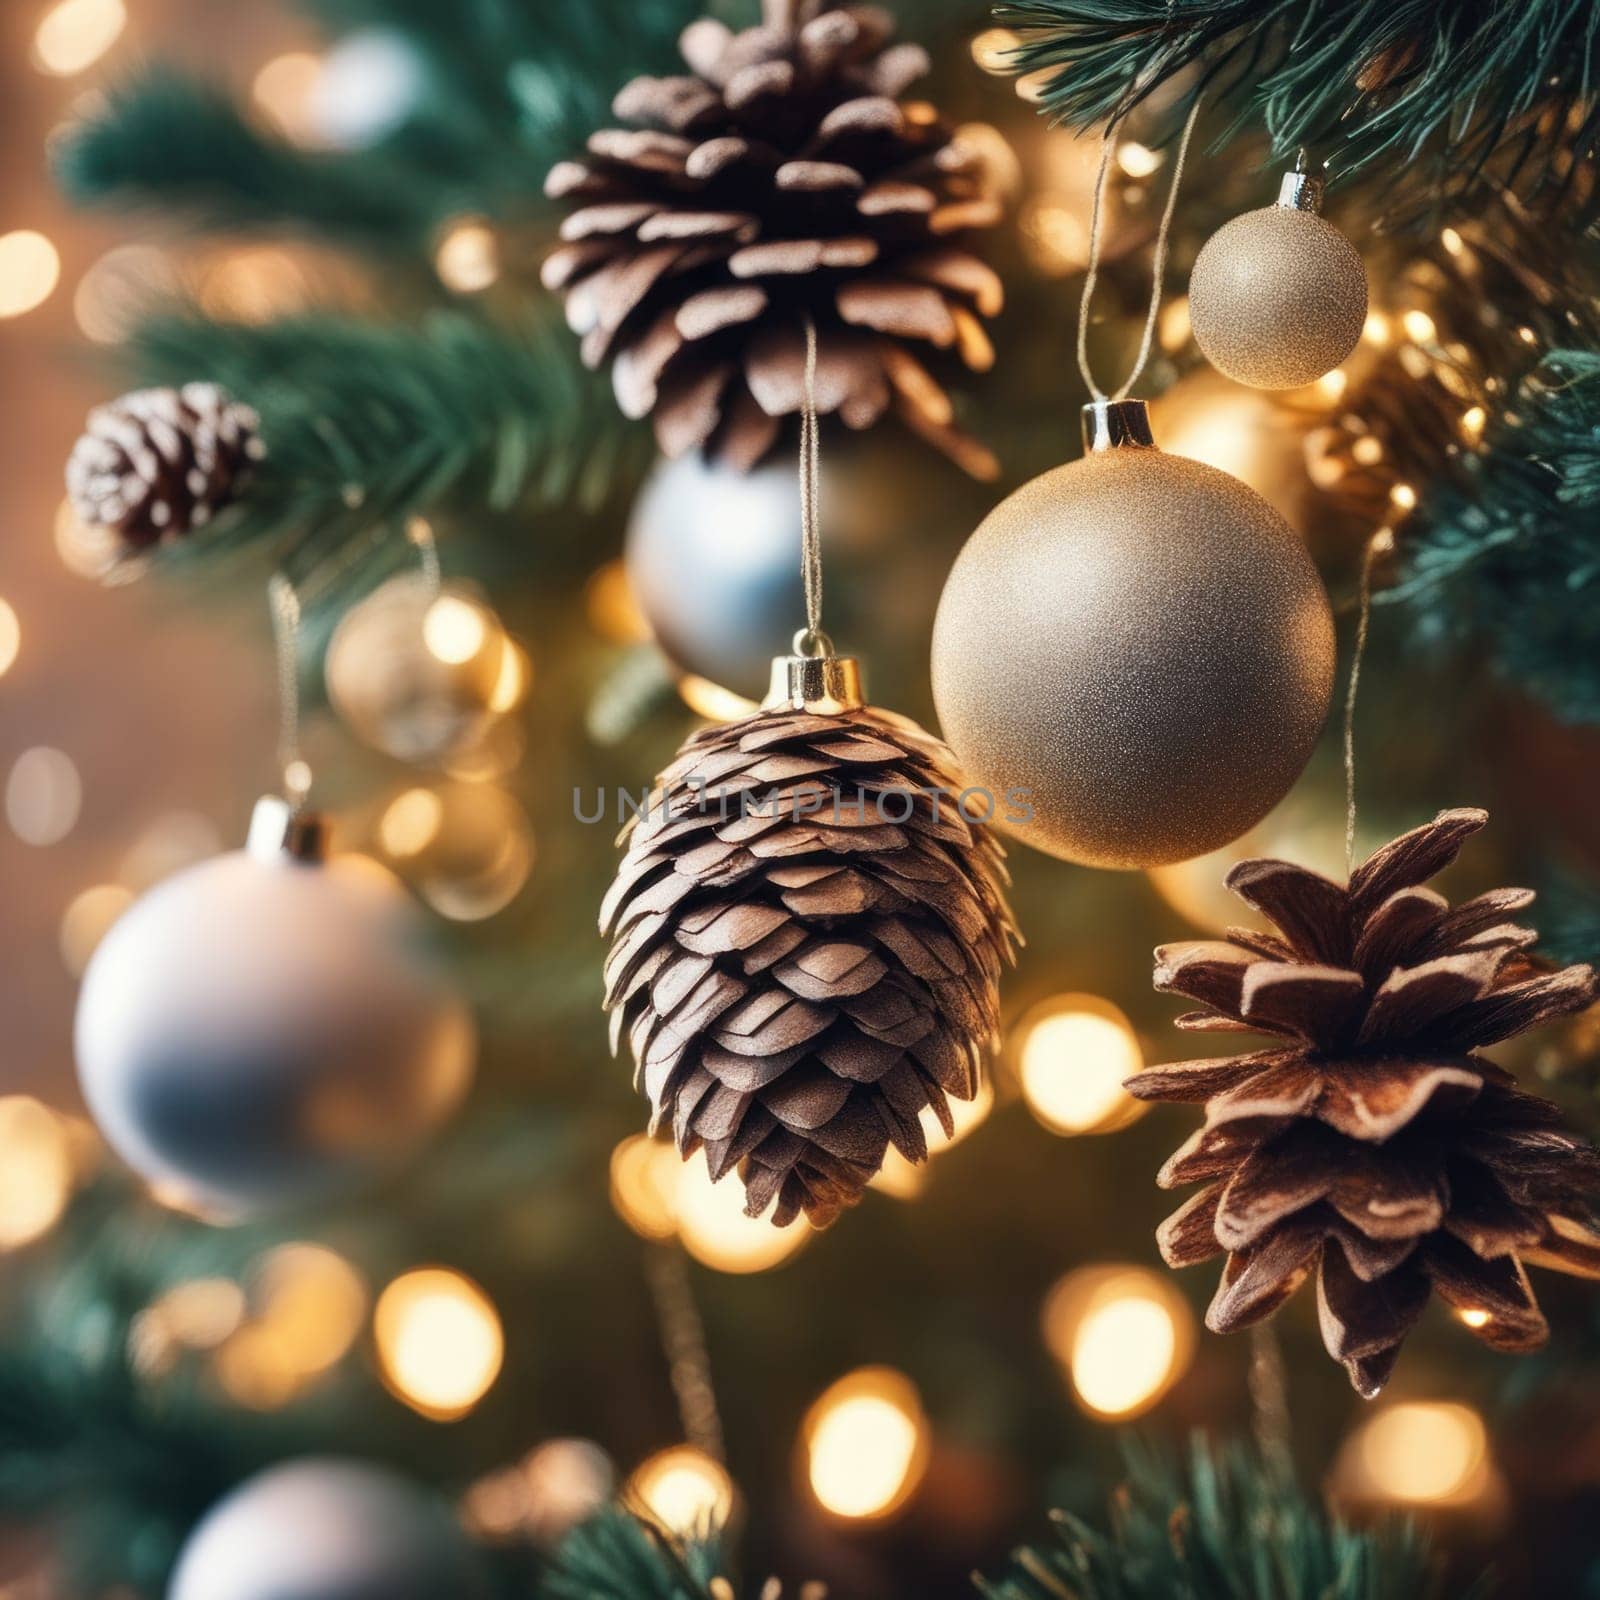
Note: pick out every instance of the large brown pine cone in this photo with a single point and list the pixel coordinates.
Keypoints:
(778, 180)
(1371, 1145)
(799, 977)
(158, 463)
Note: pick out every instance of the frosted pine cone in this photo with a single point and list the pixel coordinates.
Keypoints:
(157, 464)
(798, 977)
(1370, 1145)
(778, 180)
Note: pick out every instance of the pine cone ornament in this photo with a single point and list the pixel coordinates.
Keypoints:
(1370, 1144)
(778, 180)
(156, 464)
(807, 944)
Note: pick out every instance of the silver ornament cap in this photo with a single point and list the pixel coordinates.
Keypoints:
(814, 679)
(1302, 189)
(277, 829)
(1115, 424)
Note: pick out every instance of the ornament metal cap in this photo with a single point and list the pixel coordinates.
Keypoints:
(814, 678)
(1112, 424)
(1301, 190)
(276, 829)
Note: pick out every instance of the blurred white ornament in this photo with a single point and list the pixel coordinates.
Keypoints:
(327, 1529)
(265, 1027)
(370, 83)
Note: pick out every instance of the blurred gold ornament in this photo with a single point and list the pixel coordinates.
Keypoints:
(1417, 1453)
(1072, 1053)
(421, 673)
(1123, 1337)
(440, 1344)
(37, 1170)
(717, 1233)
(866, 1444)
(467, 848)
(683, 1490)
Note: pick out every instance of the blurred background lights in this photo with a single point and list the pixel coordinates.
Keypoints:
(36, 1170)
(468, 257)
(30, 268)
(554, 1487)
(992, 49)
(73, 34)
(644, 1183)
(904, 1179)
(117, 288)
(454, 629)
(10, 637)
(1419, 1453)
(682, 1489)
(88, 920)
(313, 1301)
(1419, 326)
(43, 796)
(87, 550)
(866, 1444)
(1122, 1335)
(1072, 1054)
(715, 1230)
(711, 701)
(284, 89)
(411, 822)
(439, 1340)
(1138, 160)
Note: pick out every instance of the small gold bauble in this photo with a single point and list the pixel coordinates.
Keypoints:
(1135, 649)
(1277, 298)
(419, 672)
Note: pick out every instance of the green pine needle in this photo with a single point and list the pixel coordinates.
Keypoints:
(1224, 1528)
(1500, 85)
(618, 1556)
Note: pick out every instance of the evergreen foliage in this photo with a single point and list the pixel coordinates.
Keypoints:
(618, 1556)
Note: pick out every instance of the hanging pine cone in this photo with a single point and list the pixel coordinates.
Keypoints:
(799, 977)
(156, 464)
(778, 180)
(1371, 1145)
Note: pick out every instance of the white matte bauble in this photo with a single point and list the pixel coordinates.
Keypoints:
(713, 560)
(267, 1027)
(1133, 654)
(323, 1528)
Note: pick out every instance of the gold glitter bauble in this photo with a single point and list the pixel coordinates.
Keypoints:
(1137, 648)
(422, 673)
(1277, 298)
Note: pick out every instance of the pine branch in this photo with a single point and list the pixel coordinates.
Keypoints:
(1507, 552)
(1223, 1529)
(367, 424)
(1501, 85)
(618, 1556)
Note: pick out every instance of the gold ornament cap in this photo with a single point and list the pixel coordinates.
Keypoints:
(1302, 189)
(277, 830)
(814, 679)
(1117, 424)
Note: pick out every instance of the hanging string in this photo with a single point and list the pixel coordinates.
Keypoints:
(1380, 544)
(1269, 1396)
(683, 1342)
(286, 634)
(1158, 265)
(813, 641)
(420, 532)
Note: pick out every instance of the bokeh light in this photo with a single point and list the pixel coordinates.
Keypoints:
(37, 1170)
(455, 629)
(440, 1344)
(30, 268)
(44, 795)
(1418, 1453)
(556, 1486)
(717, 1233)
(468, 256)
(313, 1302)
(644, 1185)
(1072, 1053)
(285, 90)
(866, 1444)
(10, 637)
(683, 1490)
(73, 34)
(1122, 1335)
(410, 823)
(87, 920)
(713, 702)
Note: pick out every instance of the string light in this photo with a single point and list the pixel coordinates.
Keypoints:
(556, 1486)
(1376, 329)
(1419, 1453)
(467, 259)
(866, 1444)
(1419, 327)
(74, 34)
(1123, 1336)
(440, 1345)
(1403, 496)
(36, 1170)
(1073, 1053)
(1138, 160)
(1452, 241)
(683, 1490)
(1331, 385)
(644, 1183)
(30, 268)
(44, 795)
(313, 1302)
(88, 920)
(454, 629)
(201, 1314)
(1473, 1317)
(1031, 86)
(991, 50)
(410, 823)
(717, 1233)
(10, 637)
(1367, 450)
(1472, 421)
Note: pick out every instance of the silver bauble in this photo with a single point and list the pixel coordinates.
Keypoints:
(1278, 297)
(264, 1028)
(1136, 647)
(322, 1528)
(419, 673)
(713, 560)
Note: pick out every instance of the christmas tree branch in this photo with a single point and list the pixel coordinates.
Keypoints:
(1223, 1528)
(366, 424)
(1503, 86)
(618, 1556)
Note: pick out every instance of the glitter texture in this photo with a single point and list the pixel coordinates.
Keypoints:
(1144, 644)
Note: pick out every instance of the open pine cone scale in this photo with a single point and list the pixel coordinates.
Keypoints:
(798, 978)
(778, 181)
(1372, 1146)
